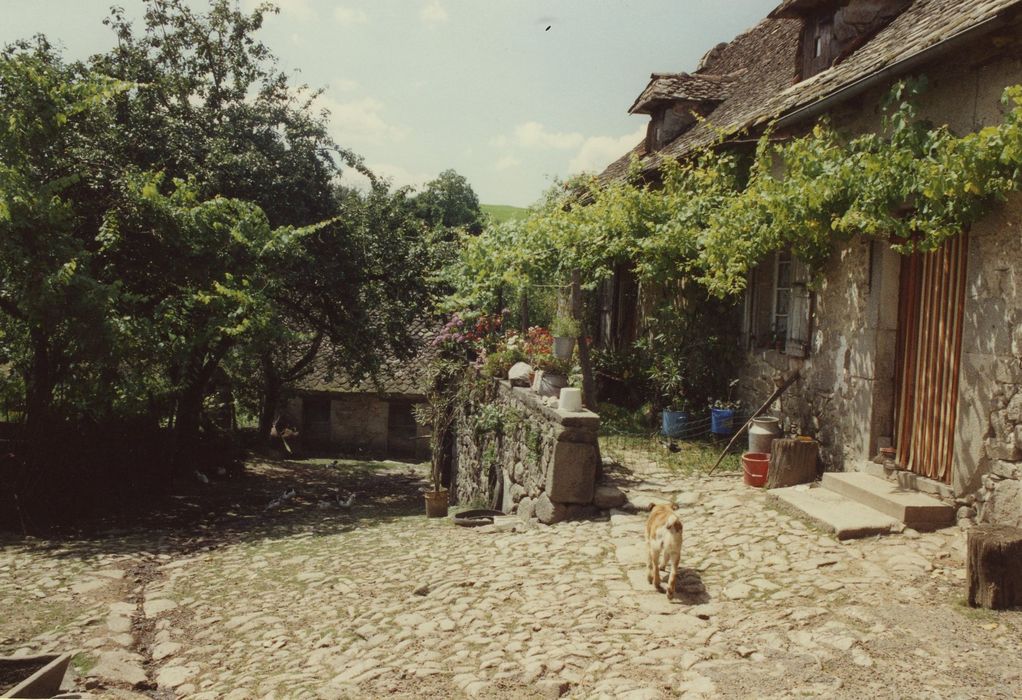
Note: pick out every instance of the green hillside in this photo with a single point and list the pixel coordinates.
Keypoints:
(503, 212)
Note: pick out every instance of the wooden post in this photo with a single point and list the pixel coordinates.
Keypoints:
(994, 567)
(791, 462)
(589, 398)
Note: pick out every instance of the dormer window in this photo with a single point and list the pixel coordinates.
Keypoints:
(674, 102)
(833, 29)
(819, 43)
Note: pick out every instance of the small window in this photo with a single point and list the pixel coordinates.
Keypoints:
(819, 47)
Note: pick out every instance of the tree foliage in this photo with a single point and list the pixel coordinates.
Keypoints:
(170, 228)
(713, 217)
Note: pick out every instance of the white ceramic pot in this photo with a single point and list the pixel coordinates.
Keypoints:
(571, 399)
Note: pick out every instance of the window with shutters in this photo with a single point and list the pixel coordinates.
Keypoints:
(818, 46)
(778, 306)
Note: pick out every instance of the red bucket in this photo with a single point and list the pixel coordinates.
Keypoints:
(756, 465)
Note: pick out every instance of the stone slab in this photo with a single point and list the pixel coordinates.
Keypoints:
(846, 518)
(916, 510)
(572, 476)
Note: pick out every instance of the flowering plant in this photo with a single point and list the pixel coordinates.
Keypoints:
(539, 344)
(462, 335)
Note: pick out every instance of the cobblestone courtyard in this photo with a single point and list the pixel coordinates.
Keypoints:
(315, 601)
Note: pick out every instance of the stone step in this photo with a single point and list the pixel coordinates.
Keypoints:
(846, 518)
(916, 510)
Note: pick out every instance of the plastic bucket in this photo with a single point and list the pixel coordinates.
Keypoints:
(674, 423)
(722, 421)
(755, 465)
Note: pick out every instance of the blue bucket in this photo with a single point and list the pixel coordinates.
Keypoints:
(722, 421)
(674, 423)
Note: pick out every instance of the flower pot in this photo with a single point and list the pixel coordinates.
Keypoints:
(755, 465)
(40, 676)
(722, 421)
(437, 503)
(563, 347)
(763, 432)
(550, 384)
(674, 423)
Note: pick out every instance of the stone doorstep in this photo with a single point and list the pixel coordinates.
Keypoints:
(907, 480)
(915, 509)
(846, 518)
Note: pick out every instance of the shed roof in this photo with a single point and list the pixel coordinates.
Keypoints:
(397, 377)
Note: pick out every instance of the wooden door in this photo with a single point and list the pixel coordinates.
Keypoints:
(931, 304)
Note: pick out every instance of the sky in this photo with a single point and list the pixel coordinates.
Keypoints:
(512, 94)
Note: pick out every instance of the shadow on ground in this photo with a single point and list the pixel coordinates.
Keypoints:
(689, 588)
(200, 517)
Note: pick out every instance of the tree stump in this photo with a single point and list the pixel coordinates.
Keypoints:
(994, 567)
(791, 462)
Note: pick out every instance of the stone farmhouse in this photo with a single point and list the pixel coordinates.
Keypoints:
(336, 414)
(922, 352)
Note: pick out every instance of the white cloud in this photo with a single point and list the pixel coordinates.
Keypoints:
(396, 175)
(597, 152)
(535, 135)
(433, 13)
(344, 85)
(347, 16)
(506, 162)
(360, 121)
(499, 141)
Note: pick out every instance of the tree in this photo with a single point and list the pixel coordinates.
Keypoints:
(212, 106)
(55, 304)
(450, 202)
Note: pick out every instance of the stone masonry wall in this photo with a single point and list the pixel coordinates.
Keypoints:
(845, 396)
(513, 452)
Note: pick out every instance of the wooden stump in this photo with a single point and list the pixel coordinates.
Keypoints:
(994, 567)
(791, 462)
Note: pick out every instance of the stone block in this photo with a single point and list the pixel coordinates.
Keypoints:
(997, 449)
(1004, 504)
(579, 511)
(526, 508)
(1006, 470)
(520, 374)
(609, 497)
(550, 512)
(572, 476)
(517, 493)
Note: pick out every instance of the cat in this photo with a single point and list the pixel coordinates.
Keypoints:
(663, 540)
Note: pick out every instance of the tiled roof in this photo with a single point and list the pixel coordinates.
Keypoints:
(673, 87)
(769, 53)
(396, 377)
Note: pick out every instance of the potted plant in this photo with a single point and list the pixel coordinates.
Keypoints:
(438, 411)
(669, 378)
(551, 375)
(565, 330)
(722, 412)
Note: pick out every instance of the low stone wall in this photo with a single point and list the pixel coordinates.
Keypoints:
(516, 454)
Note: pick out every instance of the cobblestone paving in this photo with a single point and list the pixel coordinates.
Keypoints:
(359, 604)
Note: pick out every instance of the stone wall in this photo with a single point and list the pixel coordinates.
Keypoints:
(516, 454)
(845, 395)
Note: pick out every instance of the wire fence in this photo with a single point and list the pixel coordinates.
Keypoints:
(693, 448)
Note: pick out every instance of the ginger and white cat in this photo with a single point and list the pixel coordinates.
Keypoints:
(663, 539)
